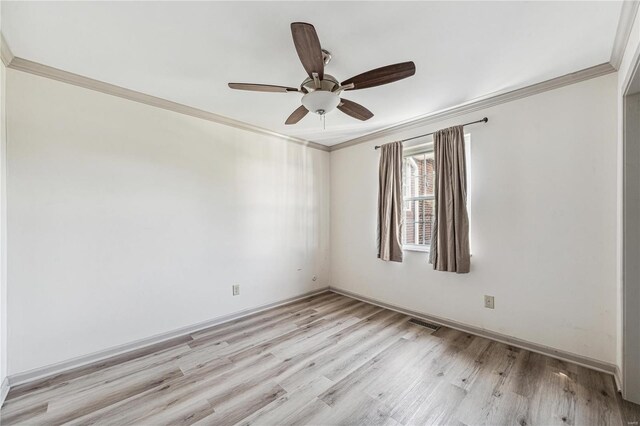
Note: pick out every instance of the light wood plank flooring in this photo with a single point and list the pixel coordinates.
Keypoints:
(326, 359)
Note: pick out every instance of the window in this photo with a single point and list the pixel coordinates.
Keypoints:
(418, 199)
(418, 182)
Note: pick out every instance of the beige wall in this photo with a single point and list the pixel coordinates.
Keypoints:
(126, 221)
(543, 224)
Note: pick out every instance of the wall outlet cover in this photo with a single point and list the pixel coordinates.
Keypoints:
(236, 289)
(489, 302)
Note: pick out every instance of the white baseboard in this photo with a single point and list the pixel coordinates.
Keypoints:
(617, 376)
(60, 367)
(503, 338)
(42, 372)
(4, 390)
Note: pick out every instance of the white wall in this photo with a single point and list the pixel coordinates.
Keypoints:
(543, 235)
(126, 220)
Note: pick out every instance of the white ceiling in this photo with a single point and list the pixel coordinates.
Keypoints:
(188, 51)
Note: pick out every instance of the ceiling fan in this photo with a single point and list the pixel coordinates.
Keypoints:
(322, 91)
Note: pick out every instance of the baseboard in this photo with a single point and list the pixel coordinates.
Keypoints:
(513, 341)
(54, 369)
(617, 376)
(60, 367)
(4, 390)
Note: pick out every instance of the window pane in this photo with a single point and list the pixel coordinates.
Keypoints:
(418, 175)
(418, 221)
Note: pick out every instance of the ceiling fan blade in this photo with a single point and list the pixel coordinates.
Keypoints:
(297, 115)
(354, 110)
(380, 76)
(261, 87)
(308, 47)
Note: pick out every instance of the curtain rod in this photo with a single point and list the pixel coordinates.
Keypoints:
(484, 120)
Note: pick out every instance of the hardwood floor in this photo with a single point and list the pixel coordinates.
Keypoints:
(327, 359)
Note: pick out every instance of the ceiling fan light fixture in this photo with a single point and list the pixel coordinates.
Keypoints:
(320, 101)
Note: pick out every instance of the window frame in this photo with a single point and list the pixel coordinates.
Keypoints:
(410, 152)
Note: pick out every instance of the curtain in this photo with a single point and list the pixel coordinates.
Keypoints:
(450, 236)
(390, 203)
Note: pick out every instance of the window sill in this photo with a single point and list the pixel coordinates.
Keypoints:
(423, 249)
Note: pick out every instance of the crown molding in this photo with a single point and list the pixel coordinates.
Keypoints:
(482, 103)
(627, 15)
(35, 68)
(623, 32)
(5, 53)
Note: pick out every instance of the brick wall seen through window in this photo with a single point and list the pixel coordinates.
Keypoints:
(418, 184)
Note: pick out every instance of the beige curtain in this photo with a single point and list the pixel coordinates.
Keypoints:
(450, 236)
(390, 202)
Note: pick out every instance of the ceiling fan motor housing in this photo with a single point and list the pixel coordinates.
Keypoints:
(328, 83)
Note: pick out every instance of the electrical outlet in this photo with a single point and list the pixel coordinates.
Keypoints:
(488, 302)
(236, 289)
